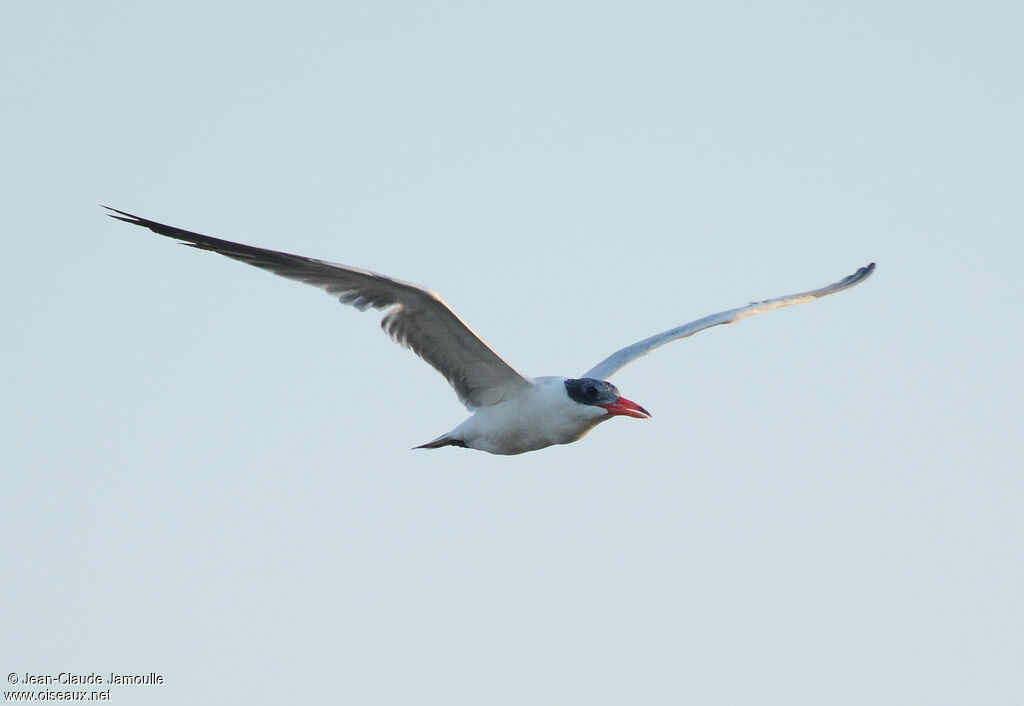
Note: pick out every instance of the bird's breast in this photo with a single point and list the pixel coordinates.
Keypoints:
(530, 422)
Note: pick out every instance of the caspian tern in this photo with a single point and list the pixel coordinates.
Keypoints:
(512, 413)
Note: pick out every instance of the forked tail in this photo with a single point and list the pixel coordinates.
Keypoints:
(440, 441)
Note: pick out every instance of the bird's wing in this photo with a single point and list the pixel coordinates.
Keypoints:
(416, 317)
(618, 360)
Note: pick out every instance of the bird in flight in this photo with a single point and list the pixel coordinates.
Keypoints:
(512, 413)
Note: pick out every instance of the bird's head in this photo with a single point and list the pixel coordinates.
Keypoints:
(600, 393)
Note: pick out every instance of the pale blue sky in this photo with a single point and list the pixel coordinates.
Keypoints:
(207, 470)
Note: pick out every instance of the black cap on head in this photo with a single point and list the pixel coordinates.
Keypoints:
(591, 391)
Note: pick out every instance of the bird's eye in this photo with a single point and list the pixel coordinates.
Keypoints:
(590, 391)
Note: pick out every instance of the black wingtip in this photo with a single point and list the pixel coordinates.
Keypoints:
(238, 251)
(186, 237)
(111, 208)
(119, 215)
(859, 276)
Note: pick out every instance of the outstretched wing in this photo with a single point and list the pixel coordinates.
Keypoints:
(416, 317)
(618, 360)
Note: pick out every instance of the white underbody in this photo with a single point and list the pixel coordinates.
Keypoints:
(542, 415)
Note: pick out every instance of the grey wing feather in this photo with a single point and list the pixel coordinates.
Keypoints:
(416, 317)
(618, 360)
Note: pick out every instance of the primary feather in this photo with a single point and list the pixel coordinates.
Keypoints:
(416, 317)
